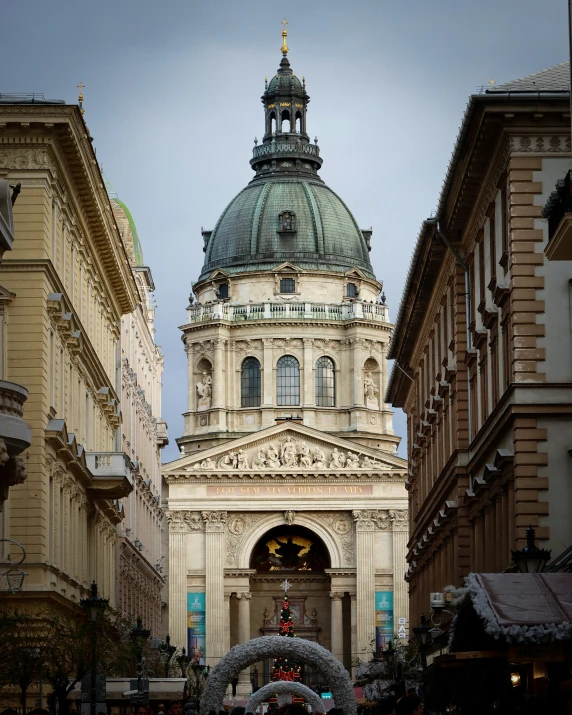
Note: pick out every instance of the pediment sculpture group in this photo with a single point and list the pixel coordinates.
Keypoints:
(290, 453)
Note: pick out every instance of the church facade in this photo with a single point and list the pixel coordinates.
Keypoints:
(289, 464)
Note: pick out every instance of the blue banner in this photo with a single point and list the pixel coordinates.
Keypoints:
(383, 618)
(196, 618)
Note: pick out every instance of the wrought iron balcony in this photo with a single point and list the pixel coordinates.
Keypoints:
(111, 473)
(338, 312)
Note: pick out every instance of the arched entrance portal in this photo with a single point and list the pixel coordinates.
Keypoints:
(295, 552)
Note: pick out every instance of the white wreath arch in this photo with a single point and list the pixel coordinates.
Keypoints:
(241, 656)
(260, 528)
(299, 690)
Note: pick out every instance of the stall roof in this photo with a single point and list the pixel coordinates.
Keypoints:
(517, 608)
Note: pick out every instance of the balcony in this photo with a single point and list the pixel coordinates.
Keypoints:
(318, 312)
(13, 430)
(111, 474)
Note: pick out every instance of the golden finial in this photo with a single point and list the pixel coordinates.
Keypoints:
(80, 97)
(284, 36)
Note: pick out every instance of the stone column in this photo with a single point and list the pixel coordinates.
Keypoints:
(192, 389)
(268, 371)
(214, 584)
(337, 639)
(218, 374)
(177, 578)
(227, 622)
(357, 360)
(365, 581)
(400, 522)
(309, 392)
(244, 687)
(353, 614)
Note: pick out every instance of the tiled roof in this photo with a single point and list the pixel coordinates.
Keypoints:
(553, 79)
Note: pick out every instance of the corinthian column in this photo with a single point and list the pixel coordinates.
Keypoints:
(365, 581)
(214, 582)
(309, 396)
(337, 639)
(177, 577)
(191, 388)
(400, 521)
(268, 368)
(218, 380)
(357, 359)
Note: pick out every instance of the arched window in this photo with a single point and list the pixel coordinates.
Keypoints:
(250, 383)
(288, 381)
(352, 290)
(285, 121)
(325, 382)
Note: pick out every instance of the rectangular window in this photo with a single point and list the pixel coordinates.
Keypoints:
(287, 285)
(492, 242)
(495, 373)
(504, 214)
(52, 370)
(481, 268)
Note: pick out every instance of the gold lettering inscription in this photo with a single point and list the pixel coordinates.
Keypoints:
(291, 490)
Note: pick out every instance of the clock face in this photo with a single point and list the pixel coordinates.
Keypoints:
(295, 612)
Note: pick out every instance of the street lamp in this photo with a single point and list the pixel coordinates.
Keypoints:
(13, 579)
(183, 660)
(167, 651)
(531, 559)
(94, 607)
(422, 634)
(139, 637)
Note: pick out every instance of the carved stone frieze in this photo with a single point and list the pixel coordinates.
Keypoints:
(370, 519)
(238, 527)
(341, 524)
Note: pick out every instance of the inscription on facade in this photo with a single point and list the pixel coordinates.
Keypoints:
(340, 490)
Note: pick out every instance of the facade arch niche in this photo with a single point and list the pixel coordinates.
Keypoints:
(244, 554)
(372, 390)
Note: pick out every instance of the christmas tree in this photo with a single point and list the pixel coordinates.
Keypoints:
(283, 668)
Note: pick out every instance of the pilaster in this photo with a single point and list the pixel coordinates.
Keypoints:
(177, 578)
(214, 581)
(400, 522)
(365, 568)
(337, 637)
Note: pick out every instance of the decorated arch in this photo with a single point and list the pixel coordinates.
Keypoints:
(242, 656)
(288, 687)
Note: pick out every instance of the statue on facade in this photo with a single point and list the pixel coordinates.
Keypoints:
(242, 459)
(370, 392)
(304, 455)
(319, 458)
(259, 462)
(352, 461)
(225, 462)
(272, 460)
(204, 389)
(337, 460)
(288, 452)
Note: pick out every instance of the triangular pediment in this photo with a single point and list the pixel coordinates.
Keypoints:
(285, 448)
(287, 267)
(355, 273)
(218, 273)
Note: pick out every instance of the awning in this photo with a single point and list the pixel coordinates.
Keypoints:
(515, 608)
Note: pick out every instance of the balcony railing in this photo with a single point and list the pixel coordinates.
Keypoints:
(112, 474)
(293, 311)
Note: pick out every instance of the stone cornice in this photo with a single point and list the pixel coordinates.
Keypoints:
(284, 476)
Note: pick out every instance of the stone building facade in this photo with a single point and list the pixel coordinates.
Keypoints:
(289, 465)
(483, 347)
(143, 434)
(71, 282)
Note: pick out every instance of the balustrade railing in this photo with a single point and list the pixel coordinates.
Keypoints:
(294, 311)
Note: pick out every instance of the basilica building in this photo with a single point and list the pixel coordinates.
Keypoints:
(289, 466)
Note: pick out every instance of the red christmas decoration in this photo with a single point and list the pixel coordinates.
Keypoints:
(283, 669)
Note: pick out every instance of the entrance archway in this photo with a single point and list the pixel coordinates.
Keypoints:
(299, 690)
(243, 656)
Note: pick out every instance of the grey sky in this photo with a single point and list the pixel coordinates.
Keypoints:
(172, 98)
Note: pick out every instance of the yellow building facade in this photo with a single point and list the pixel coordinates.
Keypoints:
(71, 282)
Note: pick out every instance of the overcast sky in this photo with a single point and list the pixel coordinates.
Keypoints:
(172, 98)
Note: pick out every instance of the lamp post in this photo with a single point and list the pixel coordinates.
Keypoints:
(13, 579)
(94, 607)
(167, 651)
(422, 634)
(183, 660)
(139, 637)
(531, 559)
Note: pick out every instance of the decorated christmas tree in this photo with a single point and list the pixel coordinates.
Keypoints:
(285, 669)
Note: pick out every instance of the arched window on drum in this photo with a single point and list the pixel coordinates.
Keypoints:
(325, 382)
(250, 383)
(288, 381)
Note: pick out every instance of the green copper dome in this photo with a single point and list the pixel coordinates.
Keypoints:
(248, 235)
(286, 213)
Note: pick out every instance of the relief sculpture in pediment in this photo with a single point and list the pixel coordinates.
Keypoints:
(290, 453)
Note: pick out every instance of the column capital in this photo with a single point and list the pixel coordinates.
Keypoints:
(214, 521)
(371, 519)
(246, 595)
(399, 519)
(183, 522)
(336, 595)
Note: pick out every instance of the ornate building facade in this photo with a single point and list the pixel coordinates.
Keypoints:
(143, 434)
(289, 464)
(483, 349)
(70, 282)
